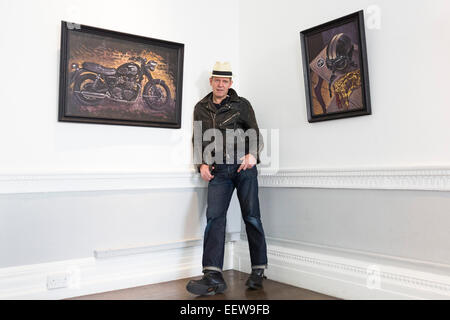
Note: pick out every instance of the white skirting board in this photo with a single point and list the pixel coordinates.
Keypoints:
(346, 276)
(349, 276)
(113, 270)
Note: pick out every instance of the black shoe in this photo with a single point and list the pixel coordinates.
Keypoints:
(255, 280)
(211, 283)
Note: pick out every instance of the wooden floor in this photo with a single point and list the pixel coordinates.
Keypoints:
(176, 290)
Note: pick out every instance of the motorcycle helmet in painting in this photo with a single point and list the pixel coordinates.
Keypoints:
(339, 55)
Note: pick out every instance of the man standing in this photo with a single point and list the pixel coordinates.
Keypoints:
(227, 163)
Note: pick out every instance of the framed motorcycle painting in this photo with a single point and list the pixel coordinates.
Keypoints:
(111, 77)
(335, 69)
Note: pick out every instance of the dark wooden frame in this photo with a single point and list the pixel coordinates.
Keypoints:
(67, 27)
(359, 17)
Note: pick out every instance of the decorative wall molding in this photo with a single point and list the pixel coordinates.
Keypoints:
(394, 178)
(346, 277)
(357, 254)
(66, 182)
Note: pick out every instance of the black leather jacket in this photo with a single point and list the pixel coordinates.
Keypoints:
(235, 113)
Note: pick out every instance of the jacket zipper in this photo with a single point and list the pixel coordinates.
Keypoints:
(233, 116)
(213, 116)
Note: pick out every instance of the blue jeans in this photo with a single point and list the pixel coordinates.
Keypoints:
(220, 189)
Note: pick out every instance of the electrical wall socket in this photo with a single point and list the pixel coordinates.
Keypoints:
(58, 280)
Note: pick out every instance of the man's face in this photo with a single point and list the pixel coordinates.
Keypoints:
(220, 86)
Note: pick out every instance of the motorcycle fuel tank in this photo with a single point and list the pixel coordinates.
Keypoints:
(128, 69)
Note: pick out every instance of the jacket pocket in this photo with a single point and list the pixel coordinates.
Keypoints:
(229, 120)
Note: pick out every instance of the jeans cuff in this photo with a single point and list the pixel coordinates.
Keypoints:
(263, 266)
(212, 268)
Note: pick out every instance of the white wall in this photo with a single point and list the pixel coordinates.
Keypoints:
(402, 224)
(408, 72)
(31, 138)
(40, 227)
(43, 227)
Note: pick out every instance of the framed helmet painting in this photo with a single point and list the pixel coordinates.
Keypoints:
(335, 69)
